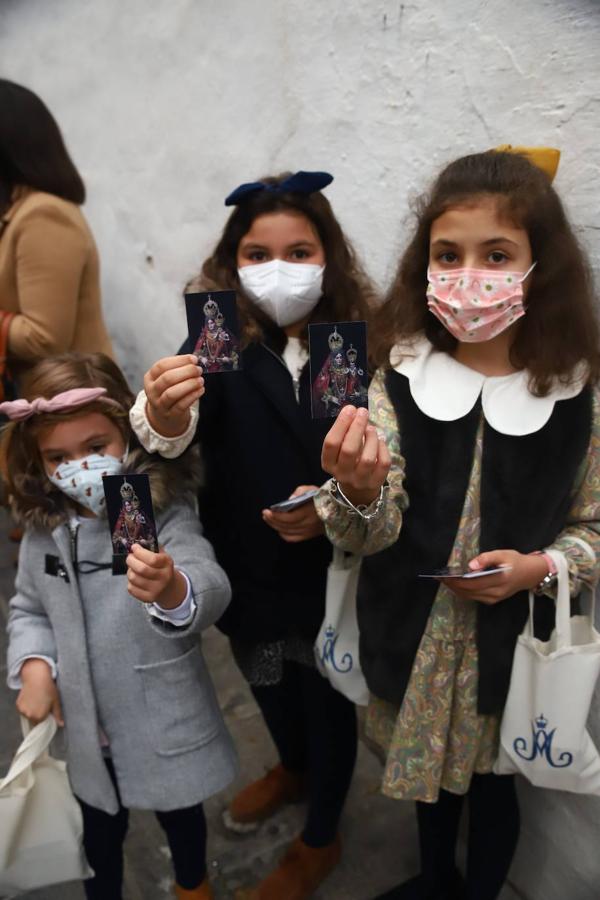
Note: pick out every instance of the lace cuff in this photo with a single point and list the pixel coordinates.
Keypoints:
(151, 440)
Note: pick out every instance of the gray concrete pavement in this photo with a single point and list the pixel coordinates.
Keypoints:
(379, 836)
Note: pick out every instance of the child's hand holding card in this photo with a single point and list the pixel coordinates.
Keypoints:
(151, 574)
(172, 386)
(153, 578)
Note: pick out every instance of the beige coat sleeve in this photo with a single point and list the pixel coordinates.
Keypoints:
(51, 253)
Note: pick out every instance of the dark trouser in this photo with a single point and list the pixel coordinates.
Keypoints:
(493, 832)
(103, 837)
(314, 729)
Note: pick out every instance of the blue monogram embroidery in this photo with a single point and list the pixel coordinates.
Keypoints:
(345, 664)
(541, 745)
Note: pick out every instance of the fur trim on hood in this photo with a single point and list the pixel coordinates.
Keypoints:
(171, 480)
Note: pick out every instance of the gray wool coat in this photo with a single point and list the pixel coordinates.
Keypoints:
(141, 681)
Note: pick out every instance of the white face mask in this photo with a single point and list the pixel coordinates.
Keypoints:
(286, 292)
(81, 479)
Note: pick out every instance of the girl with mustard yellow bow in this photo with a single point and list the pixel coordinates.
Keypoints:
(486, 425)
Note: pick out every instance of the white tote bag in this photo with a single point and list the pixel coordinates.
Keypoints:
(41, 829)
(336, 647)
(543, 735)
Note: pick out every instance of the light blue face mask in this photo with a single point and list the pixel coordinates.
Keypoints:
(81, 479)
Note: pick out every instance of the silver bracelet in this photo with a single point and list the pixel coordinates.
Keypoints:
(361, 509)
(547, 582)
(550, 579)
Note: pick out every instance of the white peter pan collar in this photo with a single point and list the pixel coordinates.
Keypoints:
(446, 390)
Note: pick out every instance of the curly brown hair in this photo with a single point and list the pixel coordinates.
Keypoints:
(560, 328)
(32, 495)
(348, 293)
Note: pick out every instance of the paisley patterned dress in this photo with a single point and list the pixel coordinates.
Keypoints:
(436, 738)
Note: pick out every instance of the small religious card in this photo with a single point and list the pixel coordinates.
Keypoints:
(459, 572)
(130, 516)
(214, 330)
(338, 367)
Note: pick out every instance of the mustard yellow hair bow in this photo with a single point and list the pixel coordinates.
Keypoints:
(545, 158)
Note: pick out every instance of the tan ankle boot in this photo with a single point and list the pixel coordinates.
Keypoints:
(202, 892)
(261, 799)
(298, 875)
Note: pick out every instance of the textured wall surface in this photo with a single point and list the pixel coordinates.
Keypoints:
(167, 106)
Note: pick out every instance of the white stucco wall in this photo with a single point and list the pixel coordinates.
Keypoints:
(167, 106)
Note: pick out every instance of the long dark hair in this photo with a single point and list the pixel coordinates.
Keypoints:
(347, 290)
(560, 328)
(32, 150)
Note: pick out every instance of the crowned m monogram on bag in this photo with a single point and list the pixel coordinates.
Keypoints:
(541, 745)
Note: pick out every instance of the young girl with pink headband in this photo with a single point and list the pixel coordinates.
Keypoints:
(485, 421)
(115, 659)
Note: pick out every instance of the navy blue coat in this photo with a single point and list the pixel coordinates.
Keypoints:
(258, 444)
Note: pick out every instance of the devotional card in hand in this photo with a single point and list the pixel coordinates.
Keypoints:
(338, 367)
(214, 330)
(130, 516)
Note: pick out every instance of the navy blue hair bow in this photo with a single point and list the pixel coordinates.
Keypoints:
(300, 183)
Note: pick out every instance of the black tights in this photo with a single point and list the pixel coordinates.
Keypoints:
(103, 837)
(494, 824)
(314, 729)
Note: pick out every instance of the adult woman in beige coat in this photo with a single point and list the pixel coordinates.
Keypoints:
(49, 269)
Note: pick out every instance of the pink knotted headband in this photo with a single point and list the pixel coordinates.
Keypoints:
(18, 410)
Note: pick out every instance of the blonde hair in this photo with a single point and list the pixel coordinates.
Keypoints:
(32, 495)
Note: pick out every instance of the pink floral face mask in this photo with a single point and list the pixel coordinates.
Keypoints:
(476, 304)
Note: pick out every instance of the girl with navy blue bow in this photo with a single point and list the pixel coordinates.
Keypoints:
(284, 253)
